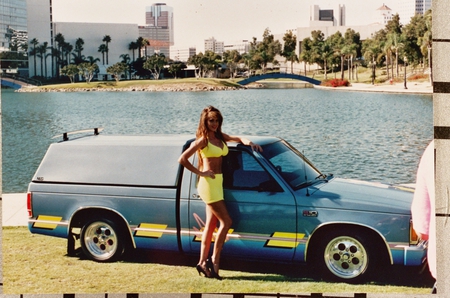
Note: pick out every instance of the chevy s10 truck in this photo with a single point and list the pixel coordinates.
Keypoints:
(118, 192)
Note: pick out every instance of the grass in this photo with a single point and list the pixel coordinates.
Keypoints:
(144, 83)
(363, 77)
(39, 264)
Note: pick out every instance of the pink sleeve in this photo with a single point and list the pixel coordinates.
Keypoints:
(421, 206)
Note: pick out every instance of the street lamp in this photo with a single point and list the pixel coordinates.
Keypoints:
(405, 60)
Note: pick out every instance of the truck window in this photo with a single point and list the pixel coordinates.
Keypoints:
(242, 171)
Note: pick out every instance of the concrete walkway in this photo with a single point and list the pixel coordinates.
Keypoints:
(413, 88)
(14, 209)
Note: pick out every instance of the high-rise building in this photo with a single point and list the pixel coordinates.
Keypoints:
(211, 44)
(158, 29)
(13, 23)
(408, 8)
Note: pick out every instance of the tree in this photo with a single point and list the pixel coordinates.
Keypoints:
(126, 59)
(211, 62)
(196, 60)
(117, 70)
(155, 64)
(71, 71)
(107, 40)
(175, 67)
(78, 49)
(232, 59)
(34, 42)
(267, 50)
(42, 53)
(426, 42)
(102, 49)
(290, 44)
(87, 70)
(371, 52)
(306, 52)
(133, 46)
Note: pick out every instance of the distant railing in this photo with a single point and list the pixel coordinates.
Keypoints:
(278, 75)
(22, 79)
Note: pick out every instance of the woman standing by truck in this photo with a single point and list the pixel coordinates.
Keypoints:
(210, 145)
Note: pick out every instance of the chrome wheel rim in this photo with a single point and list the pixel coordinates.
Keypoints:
(100, 240)
(346, 257)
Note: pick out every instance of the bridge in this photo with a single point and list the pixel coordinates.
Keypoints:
(16, 82)
(278, 75)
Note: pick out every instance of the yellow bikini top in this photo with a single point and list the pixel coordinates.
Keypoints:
(212, 150)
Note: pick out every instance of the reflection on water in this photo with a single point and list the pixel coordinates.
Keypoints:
(368, 136)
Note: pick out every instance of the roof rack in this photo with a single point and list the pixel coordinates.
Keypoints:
(65, 135)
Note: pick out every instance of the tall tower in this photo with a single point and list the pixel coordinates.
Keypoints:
(158, 29)
(13, 23)
(408, 8)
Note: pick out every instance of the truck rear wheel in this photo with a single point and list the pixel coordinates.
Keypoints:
(101, 240)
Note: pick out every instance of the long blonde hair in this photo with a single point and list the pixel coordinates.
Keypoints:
(202, 130)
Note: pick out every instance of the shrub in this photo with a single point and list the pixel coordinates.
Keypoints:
(335, 83)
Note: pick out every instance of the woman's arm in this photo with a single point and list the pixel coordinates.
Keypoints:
(184, 158)
(242, 140)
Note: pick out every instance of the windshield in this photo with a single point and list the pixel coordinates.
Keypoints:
(291, 164)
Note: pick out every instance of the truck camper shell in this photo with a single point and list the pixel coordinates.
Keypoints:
(145, 160)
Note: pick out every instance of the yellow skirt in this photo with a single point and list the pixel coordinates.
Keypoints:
(211, 190)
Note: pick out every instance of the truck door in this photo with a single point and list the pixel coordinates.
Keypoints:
(263, 212)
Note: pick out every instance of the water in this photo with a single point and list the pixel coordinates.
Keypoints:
(368, 136)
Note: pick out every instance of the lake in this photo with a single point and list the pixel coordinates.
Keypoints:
(360, 135)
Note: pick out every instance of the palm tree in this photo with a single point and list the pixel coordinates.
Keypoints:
(107, 39)
(79, 48)
(133, 46)
(102, 49)
(33, 52)
(426, 42)
(42, 53)
(126, 60)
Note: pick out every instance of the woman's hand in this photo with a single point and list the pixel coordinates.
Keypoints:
(208, 173)
(255, 147)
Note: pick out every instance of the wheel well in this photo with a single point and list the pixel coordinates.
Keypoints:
(375, 238)
(80, 218)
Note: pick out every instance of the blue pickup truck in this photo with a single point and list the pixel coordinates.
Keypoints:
(119, 192)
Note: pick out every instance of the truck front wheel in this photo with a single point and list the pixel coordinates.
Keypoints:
(101, 240)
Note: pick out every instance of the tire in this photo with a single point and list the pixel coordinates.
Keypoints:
(346, 257)
(101, 240)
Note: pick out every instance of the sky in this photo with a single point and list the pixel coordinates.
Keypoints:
(225, 20)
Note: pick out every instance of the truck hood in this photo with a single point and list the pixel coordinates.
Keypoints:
(350, 194)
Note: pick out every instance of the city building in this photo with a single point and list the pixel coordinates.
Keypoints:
(327, 17)
(242, 46)
(383, 15)
(211, 44)
(182, 55)
(13, 23)
(408, 8)
(158, 29)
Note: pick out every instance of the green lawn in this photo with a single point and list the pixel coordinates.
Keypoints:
(39, 264)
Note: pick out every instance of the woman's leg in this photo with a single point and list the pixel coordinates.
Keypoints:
(219, 210)
(210, 226)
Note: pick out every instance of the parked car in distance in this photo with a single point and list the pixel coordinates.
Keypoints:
(120, 192)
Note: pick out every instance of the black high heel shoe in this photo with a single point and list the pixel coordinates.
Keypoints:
(201, 270)
(213, 273)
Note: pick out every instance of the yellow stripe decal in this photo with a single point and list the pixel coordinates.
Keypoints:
(150, 230)
(284, 240)
(46, 222)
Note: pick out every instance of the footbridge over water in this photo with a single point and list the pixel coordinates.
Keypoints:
(279, 75)
(16, 82)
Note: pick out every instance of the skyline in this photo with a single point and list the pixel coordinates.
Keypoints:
(227, 21)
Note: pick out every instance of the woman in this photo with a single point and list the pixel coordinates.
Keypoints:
(210, 145)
